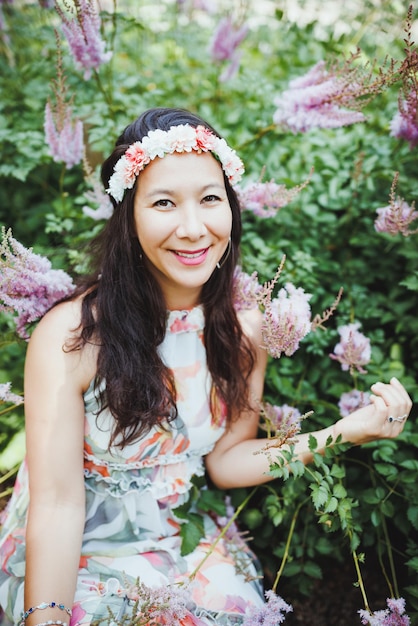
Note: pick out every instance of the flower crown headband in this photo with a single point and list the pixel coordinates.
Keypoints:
(157, 143)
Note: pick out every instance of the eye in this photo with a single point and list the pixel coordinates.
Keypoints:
(211, 198)
(164, 203)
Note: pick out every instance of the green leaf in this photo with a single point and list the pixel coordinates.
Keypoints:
(313, 570)
(331, 505)
(191, 532)
(413, 563)
(312, 442)
(339, 491)
(320, 495)
(212, 500)
(412, 514)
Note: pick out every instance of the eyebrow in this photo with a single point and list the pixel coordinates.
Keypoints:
(171, 192)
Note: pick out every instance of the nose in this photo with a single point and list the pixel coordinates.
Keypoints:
(191, 225)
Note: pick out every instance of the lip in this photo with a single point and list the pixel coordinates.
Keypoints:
(191, 257)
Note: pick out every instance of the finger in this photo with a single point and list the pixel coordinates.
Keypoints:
(401, 389)
(391, 407)
(390, 393)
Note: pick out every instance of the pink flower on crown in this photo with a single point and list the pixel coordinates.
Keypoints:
(182, 138)
(137, 158)
(205, 139)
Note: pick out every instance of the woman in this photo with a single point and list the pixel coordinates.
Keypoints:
(142, 379)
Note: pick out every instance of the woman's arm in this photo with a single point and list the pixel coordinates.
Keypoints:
(55, 380)
(233, 462)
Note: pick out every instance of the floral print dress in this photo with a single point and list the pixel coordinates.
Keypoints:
(131, 528)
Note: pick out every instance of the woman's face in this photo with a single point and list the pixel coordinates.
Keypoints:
(183, 221)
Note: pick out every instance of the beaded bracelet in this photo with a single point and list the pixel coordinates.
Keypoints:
(44, 605)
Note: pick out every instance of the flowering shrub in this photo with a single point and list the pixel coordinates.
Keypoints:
(290, 99)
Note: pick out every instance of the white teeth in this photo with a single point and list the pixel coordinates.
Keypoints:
(193, 255)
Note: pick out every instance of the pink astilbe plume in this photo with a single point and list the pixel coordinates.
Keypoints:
(6, 395)
(353, 351)
(246, 290)
(63, 134)
(224, 46)
(28, 284)
(265, 199)
(81, 26)
(314, 101)
(405, 123)
(394, 615)
(330, 97)
(96, 195)
(397, 217)
(352, 400)
(287, 320)
(157, 606)
(271, 614)
(282, 424)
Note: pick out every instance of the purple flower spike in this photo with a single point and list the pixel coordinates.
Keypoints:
(225, 42)
(394, 615)
(352, 400)
(82, 31)
(317, 100)
(353, 351)
(64, 137)
(28, 284)
(398, 216)
(287, 319)
(271, 614)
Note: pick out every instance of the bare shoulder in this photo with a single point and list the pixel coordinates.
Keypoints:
(53, 339)
(251, 321)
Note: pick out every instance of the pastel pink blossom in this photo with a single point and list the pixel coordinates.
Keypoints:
(28, 284)
(394, 615)
(281, 420)
(271, 614)
(287, 320)
(319, 99)
(265, 199)
(404, 124)
(162, 605)
(396, 218)
(6, 395)
(354, 350)
(246, 290)
(352, 400)
(64, 137)
(104, 207)
(82, 31)
(226, 39)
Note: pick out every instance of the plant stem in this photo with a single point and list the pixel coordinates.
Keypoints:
(223, 532)
(360, 578)
(287, 546)
(390, 557)
(9, 474)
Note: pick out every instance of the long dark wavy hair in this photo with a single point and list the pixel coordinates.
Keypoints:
(124, 312)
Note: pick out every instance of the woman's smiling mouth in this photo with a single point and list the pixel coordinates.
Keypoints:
(195, 257)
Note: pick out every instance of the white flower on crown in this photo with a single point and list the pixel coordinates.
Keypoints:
(182, 138)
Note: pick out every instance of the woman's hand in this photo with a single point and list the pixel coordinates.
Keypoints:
(384, 418)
